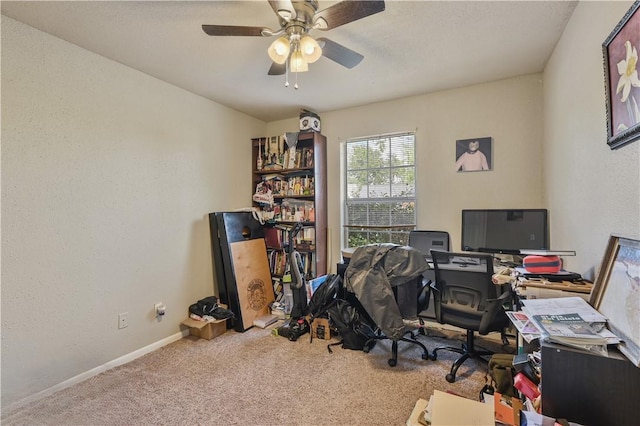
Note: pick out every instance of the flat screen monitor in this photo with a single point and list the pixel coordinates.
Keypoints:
(504, 231)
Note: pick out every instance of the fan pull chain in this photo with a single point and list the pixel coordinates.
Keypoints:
(286, 74)
(295, 86)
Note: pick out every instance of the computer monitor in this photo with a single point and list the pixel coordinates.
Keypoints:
(505, 231)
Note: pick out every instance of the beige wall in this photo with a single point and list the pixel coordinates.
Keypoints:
(591, 190)
(510, 111)
(108, 174)
(107, 177)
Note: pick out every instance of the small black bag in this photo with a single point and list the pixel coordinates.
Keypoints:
(209, 306)
(356, 334)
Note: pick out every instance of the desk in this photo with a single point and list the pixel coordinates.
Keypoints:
(589, 389)
(543, 289)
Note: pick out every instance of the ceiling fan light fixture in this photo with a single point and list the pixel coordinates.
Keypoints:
(285, 14)
(297, 62)
(310, 49)
(279, 50)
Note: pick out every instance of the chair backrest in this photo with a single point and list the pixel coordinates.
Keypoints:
(425, 241)
(464, 290)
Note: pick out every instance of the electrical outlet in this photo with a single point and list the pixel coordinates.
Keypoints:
(123, 321)
(159, 309)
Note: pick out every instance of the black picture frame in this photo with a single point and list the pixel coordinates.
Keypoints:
(623, 107)
(483, 147)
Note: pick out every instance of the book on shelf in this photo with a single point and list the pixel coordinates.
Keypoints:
(273, 238)
(307, 158)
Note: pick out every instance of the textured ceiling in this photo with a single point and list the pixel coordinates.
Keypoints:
(412, 47)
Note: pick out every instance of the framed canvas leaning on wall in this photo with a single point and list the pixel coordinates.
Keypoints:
(616, 293)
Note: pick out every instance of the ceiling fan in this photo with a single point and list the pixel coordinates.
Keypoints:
(297, 18)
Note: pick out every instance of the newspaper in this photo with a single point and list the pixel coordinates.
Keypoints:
(564, 305)
(524, 325)
(569, 328)
(558, 313)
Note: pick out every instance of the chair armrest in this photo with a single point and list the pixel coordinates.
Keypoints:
(493, 307)
(424, 294)
(504, 296)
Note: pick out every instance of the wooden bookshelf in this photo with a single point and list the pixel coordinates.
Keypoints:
(294, 190)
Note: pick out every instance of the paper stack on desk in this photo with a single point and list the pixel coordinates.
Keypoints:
(570, 321)
(525, 326)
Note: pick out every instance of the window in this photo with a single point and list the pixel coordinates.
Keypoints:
(380, 189)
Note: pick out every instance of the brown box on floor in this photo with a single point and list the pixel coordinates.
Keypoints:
(320, 329)
(204, 329)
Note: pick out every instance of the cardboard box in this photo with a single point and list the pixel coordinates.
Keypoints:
(323, 325)
(507, 409)
(204, 329)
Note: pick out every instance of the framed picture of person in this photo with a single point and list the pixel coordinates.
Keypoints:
(474, 155)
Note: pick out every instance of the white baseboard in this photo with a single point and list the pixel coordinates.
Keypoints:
(95, 371)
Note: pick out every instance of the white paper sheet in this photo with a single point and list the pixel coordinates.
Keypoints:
(452, 410)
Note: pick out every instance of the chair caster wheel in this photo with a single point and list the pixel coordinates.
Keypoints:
(425, 356)
(450, 378)
(393, 362)
(433, 356)
(365, 350)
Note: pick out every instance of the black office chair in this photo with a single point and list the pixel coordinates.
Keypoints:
(374, 272)
(425, 241)
(465, 297)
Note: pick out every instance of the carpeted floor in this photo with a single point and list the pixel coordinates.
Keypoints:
(254, 378)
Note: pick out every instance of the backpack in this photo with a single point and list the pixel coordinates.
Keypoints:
(323, 298)
(355, 332)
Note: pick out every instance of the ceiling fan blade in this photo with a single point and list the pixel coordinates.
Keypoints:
(233, 30)
(277, 69)
(284, 9)
(344, 12)
(338, 53)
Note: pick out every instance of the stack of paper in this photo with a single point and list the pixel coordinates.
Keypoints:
(569, 321)
(453, 410)
(265, 320)
(524, 325)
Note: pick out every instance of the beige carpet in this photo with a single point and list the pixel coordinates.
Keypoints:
(254, 378)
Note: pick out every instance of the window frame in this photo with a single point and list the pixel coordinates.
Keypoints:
(397, 233)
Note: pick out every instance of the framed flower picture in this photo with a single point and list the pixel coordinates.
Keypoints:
(622, 85)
